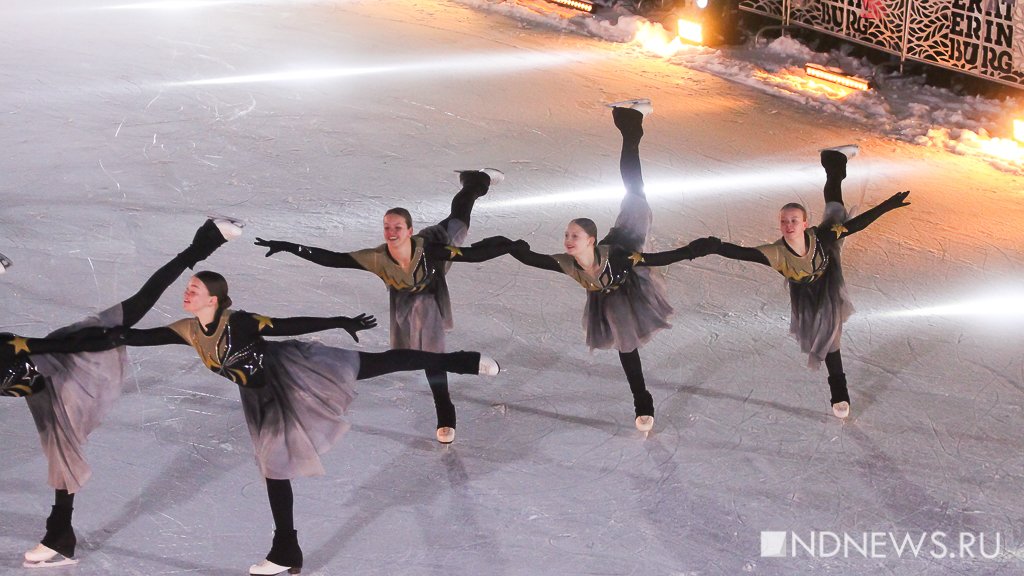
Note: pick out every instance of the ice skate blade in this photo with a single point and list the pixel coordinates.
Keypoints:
(446, 435)
(43, 556)
(641, 105)
(5, 263)
(230, 228)
(488, 366)
(841, 410)
(645, 423)
(848, 150)
(268, 568)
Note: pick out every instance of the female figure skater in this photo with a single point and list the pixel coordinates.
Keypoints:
(293, 393)
(809, 258)
(626, 304)
(69, 392)
(413, 266)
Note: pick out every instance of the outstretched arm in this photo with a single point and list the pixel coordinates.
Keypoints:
(481, 251)
(93, 339)
(306, 324)
(735, 252)
(696, 249)
(861, 221)
(314, 255)
(535, 260)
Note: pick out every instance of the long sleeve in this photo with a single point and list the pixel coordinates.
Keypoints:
(82, 341)
(486, 249)
(293, 326)
(696, 249)
(861, 221)
(542, 261)
(149, 337)
(735, 252)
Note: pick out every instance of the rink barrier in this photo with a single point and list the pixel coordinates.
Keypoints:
(982, 38)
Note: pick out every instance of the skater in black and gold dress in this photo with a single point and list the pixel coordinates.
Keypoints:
(626, 303)
(809, 258)
(69, 391)
(294, 394)
(414, 267)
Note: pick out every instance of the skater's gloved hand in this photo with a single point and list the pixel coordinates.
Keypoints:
(520, 246)
(276, 246)
(704, 246)
(897, 200)
(354, 325)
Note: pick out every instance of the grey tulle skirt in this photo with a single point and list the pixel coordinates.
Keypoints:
(820, 308)
(80, 390)
(626, 318)
(298, 414)
(419, 320)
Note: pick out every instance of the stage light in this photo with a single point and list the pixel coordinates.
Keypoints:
(581, 5)
(690, 31)
(708, 22)
(836, 77)
(1018, 130)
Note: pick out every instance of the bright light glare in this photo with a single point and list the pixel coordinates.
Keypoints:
(702, 4)
(493, 63)
(174, 5)
(1018, 130)
(776, 178)
(655, 39)
(1007, 306)
(691, 31)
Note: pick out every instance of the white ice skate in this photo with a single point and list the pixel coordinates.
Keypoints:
(848, 150)
(268, 568)
(841, 409)
(45, 557)
(488, 367)
(446, 435)
(5, 263)
(230, 228)
(645, 423)
(496, 176)
(641, 105)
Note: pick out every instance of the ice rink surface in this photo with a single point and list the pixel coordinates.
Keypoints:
(123, 125)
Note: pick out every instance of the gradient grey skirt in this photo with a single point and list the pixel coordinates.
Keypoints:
(298, 414)
(419, 320)
(820, 308)
(626, 318)
(80, 389)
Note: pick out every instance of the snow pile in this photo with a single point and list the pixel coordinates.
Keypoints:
(901, 107)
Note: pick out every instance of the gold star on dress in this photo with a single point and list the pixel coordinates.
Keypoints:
(455, 251)
(636, 257)
(20, 344)
(839, 229)
(263, 322)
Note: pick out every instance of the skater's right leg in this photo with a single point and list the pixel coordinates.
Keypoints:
(285, 554)
(438, 380)
(475, 183)
(643, 403)
(207, 239)
(57, 548)
(373, 364)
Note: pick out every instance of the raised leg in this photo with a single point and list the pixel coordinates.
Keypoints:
(372, 364)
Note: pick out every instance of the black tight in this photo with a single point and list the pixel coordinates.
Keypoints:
(474, 185)
(281, 503)
(642, 400)
(836, 378)
(373, 364)
(834, 363)
(630, 124)
(835, 171)
(135, 307)
(438, 380)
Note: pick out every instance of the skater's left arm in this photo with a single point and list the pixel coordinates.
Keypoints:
(297, 325)
(481, 251)
(696, 249)
(861, 221)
